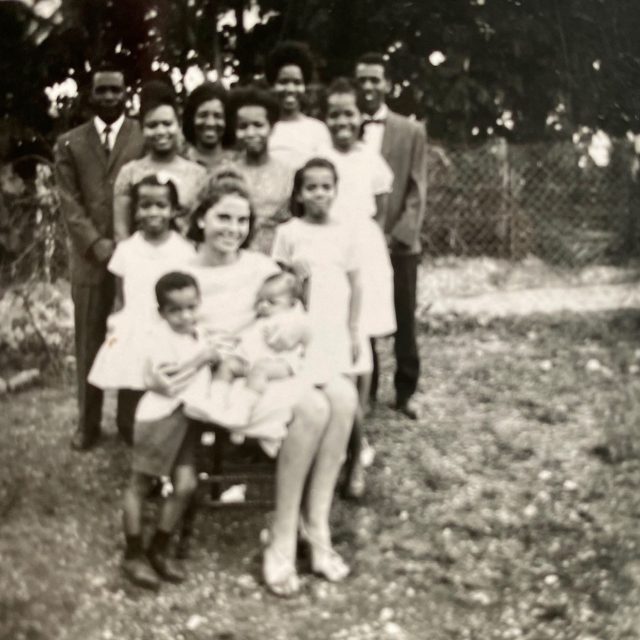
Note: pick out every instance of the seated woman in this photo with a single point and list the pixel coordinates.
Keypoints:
(313, 449)
(160, 128)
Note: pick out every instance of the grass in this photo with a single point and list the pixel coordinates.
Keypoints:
(510, 511)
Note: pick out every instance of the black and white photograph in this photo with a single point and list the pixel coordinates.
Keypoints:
(319, 320)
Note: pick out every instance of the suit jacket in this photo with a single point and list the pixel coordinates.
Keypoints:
(404, 149)
(85, 178)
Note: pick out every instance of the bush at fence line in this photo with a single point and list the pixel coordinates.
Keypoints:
(32, 235)
(36, 326)
(546, 199)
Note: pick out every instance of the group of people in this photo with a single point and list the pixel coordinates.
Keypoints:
(237, 271)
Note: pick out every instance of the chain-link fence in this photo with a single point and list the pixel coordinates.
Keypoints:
(510, 201)
(546, 199)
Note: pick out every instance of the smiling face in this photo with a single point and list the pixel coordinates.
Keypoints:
(226, 225)
(289, 87)
(153, 211)
(253, 129)
(209, 123)
(108, 95)
(343, 119)
(373, 87)
(180, 308)
(160, 129)
(317, 193)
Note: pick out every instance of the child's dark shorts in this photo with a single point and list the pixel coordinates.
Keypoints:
(159, 446)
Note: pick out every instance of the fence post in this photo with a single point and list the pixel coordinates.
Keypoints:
(633, 200)
(504, 224)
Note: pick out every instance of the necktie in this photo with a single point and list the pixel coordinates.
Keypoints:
(106, 142)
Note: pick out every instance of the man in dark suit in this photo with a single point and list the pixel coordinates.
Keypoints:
(402, 143)
(88, 159)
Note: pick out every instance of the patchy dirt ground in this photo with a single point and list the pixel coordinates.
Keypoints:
(488, 288)
(509, 512)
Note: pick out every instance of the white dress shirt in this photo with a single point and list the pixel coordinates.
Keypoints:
(113, 134)
(374, 131)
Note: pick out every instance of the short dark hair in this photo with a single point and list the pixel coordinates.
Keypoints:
(342, 85)
(339, 85)
(210, 196)
(252, 96)
(374, 58)
(154, 94)
(290, 52)
(173, 281)
(201, 94)
(154, 180)
(298, 180)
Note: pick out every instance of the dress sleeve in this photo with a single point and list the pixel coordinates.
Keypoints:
(323, 138)
(282, 249)
(118, 263)
(382, 176)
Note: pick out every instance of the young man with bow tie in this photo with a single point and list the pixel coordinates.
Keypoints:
(402, 143)
(88, 159)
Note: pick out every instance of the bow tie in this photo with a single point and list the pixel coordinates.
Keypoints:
(374, 121)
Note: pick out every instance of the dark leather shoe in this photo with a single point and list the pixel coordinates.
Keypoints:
(83, 441)
(409, 408)
(141, 573)
(166, 568)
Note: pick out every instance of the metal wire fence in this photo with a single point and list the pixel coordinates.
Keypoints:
(547, 199)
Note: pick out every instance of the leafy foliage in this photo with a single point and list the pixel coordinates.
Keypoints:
(525, 70)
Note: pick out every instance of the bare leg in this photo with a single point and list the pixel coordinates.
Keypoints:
(324, 475)
(135, 565)
(355, 484)
(185, 483)
(134, 496)
(311, 415)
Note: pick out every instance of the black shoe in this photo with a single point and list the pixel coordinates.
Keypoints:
(409, 408)
(165, 567)
(141, 573)
(83, 441)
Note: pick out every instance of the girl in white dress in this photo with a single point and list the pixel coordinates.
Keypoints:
(321, 252)
(137, 263)
(365, 180)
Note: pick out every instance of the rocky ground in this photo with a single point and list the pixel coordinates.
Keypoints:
(510, 511)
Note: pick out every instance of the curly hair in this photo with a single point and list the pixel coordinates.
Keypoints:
(174, 281)
(290, 52)
(154, 94)
(201, 94)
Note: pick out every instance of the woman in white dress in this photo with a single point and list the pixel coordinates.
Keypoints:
(296, 137)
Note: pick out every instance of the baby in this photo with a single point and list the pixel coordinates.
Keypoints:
(239, 379)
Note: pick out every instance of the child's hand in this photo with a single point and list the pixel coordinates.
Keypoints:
(160, 379)
(210, 354)
(301, 269)
(222, 342)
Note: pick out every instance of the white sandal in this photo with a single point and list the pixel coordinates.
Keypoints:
(325, 561)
